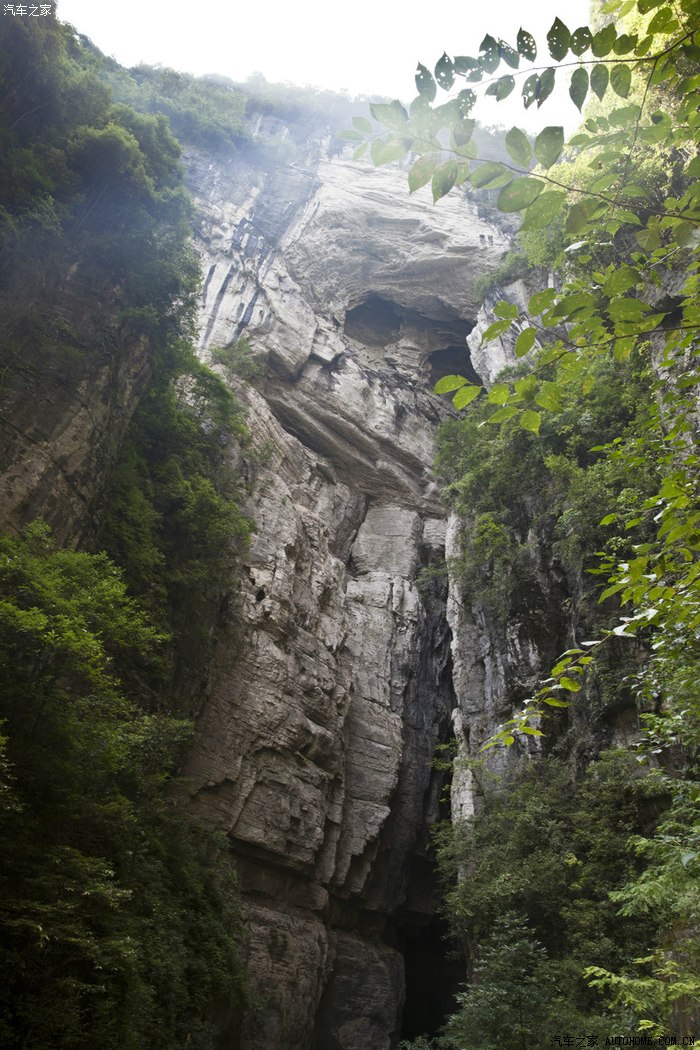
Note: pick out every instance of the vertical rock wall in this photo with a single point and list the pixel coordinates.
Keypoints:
(333, 685)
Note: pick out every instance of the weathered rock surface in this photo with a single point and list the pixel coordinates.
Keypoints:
(328, 696)
(61, 425)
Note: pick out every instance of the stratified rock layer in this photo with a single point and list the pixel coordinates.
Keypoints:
(314, 750)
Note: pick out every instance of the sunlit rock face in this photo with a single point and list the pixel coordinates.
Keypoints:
(333, 685)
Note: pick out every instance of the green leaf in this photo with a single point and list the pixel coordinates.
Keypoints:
(549, 397)
(599, 79)
(545, 85)
(621, 79)
(625, 116)
(501, 88)
(490, 175)
(621, 280)
(463, 167)
(526, 45)
(449, 383)
(649, 240)
(445, 116)
(360, 151)
(392, 116)
(525, 388)
(518, 146)
(558, 39)
(525, 342)
(503, 414)
(425, 85)
(494, 330)
(529, 92)
(463, 131)
(465, 64)
(644, 6)
(663, 21)
(603, 41)
(444, 179)
(569, 684)
(571, 303)
(386, 152)
(444, 73)
(506, 311)
(581, 215)
(627, 309)
(509, 56)
(541, 301)
(530, 731)
(422, 171)
(362, 124)
(465, 101)
(465, 396)
(519, 194)
(581, 40)
(554, 701)
(625, 43)
(578, 88)
(499, 394)
(531, 421)
(489, 54)
(544, 210)
(623, 347)
(548, 145)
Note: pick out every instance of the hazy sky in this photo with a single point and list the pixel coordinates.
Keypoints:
(363, 46)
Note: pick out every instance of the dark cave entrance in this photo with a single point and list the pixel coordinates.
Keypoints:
(377, 323)
(434, 973)
(453, 360)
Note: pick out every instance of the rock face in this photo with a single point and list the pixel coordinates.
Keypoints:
(61, 425)
(334, 684)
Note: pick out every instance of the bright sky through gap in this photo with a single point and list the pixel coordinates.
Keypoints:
(364, 46)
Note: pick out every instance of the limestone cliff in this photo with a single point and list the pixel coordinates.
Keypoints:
(314, 749)
(333, 683)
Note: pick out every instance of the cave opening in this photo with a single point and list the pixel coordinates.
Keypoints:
(379, 323)
(434, 973)
(375, 322)
(452, 360)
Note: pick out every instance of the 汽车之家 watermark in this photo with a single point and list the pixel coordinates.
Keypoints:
(28, 10)
(623, 1040)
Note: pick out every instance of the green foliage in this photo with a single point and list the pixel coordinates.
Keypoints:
(514, 266)
(93, 208)
(109, 896)
(237, 360)
(518, 495)
(511, 961)
(205, 112)
(118, 914)
(173, 518)
(617, 212)
(537, 864)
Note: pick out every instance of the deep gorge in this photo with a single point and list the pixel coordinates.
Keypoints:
(266, 595)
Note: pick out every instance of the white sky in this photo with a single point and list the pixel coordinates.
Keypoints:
(363, 46)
